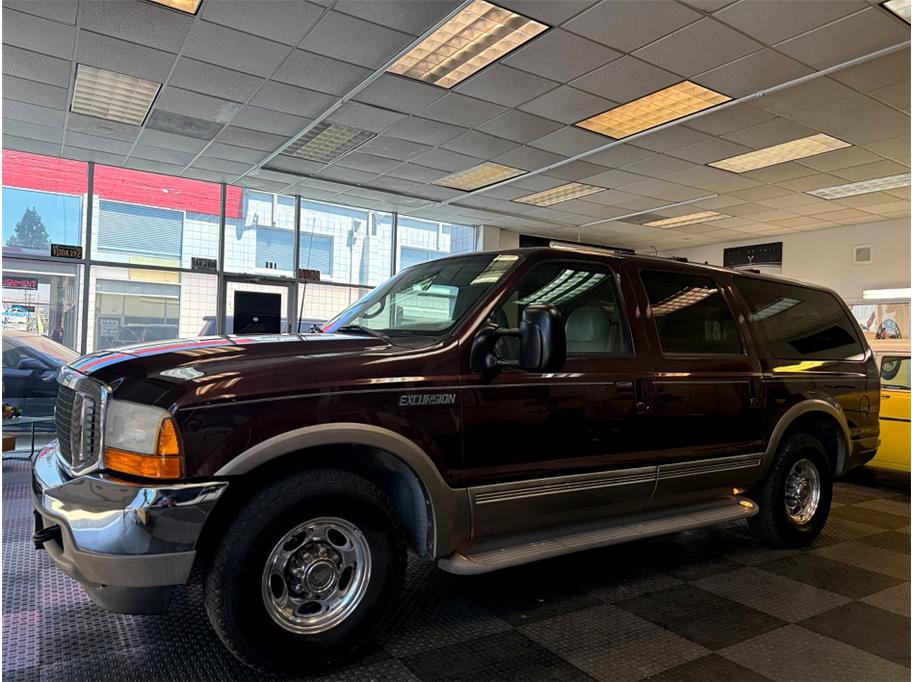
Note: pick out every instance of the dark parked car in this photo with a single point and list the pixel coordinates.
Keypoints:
(485, 410)
(30, 366)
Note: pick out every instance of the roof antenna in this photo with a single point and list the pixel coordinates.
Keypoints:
(655, 251)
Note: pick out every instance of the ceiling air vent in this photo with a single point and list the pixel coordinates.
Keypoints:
(862, 254)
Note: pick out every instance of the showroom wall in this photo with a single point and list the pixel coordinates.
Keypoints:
(825, 256)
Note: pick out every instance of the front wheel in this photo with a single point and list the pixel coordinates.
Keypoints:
(795, 496)
(305, 572)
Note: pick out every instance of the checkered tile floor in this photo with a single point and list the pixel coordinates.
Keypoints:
(702, 605)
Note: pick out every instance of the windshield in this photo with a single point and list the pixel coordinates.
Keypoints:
(425, 299)
(48, 348)
(894, 373)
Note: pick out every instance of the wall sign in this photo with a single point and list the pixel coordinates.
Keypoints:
(309, 275)
(20, 283)
(755, 254)
(66, 251)
(203, 264)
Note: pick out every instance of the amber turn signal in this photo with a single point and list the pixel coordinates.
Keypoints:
(167, 462)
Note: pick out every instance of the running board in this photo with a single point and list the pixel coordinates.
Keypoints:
(498, 553)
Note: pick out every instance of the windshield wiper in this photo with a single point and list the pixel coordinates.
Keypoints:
(358, 329)
(895, 386)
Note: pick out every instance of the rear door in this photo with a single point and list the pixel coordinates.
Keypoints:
(707, 395)
(544, 449)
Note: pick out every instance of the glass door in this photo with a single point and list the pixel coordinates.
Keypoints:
(257, 305)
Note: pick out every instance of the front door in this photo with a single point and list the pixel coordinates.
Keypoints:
(706, 398)
(257, 306)
(546, 449)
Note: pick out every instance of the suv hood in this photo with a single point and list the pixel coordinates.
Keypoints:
(213, 368)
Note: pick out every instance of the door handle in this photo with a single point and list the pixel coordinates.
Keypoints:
(642, 407)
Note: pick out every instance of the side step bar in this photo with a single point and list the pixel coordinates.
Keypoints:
(497, 553)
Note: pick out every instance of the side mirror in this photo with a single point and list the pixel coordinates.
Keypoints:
(32, 364)
(542, 343)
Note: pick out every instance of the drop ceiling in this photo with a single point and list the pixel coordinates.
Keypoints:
(240, 83)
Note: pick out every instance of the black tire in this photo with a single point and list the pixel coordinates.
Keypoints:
(233, 584)
(773, 523)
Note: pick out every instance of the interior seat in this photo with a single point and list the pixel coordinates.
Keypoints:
(591, 329)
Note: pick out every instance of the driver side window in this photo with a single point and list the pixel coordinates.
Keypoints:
(586, 295)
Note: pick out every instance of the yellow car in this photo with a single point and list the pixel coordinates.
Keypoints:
(893, 358)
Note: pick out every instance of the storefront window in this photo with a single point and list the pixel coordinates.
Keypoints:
(259, 237)
(419, 241)
(149, 219)
(43, 203)
(883, 320)
(318, 303)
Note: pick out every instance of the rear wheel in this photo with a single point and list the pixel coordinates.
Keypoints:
(305, 572)
(795, 496)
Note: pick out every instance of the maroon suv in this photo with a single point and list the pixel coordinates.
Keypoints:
(484, 410)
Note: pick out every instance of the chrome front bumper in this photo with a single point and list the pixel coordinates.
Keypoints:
(128, 543)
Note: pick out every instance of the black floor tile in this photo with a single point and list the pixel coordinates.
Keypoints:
(874, 630)
(827, 574)
(891, 540)
(871, 517)
(702, 617)
(505, 656)
(708, 669)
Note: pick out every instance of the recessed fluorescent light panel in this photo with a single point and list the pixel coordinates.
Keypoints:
(670, 104)
(556, 195)
(864, 187)
(113, 96)
(326, 142)
(780, 153)
(901, 8)
(186, 6)
(482, 175)
(689, 219)
(480, 34)
(885, 294)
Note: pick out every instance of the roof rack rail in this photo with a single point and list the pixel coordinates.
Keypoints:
(570, 246)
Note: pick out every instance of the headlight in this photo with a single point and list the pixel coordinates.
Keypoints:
(141, 440)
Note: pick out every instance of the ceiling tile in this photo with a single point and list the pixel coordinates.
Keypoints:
(620, 155)
(662, 189)
(447, 161)
(840, 158)
(519, 126)
(869, 171)
(575, 170)
(123, 57)
(551, 12)
(881, 127)
(32, 131)
(567, 105)
(424, 131)
(399, 93)
(808, 95)
(315, 72)
(230, 152)
(461, 110)
(233, 49)
(629, 24)
(536, 183)
(679, 52)
(157, 138)
(855, 109)
(36, 34)
(626, 79)
(33, 92)
(707, 5)
(187, 103)
(752, 73)
(731, 119)
(101, 127)
(658, 166)
(35, 67)
(403, 15)
(149, 153)
(354, 40)
(153, 166)
(58, 10)
(527, 158)
(365, 117)
(771, 21)
(892, 148)
(143, 23)
(394, 148)
(79, 154)
(613, 178)
(287, 164)
(32, 113)
(415, 173)
(208, 79)
(711, 179)
(290, 99)
(347, 175)
(877, 73)
(181, 124)
(254, 139)
(896, 95)
(781, 171)
(285, 21)
(850, 37)
(760, 193)
(671, 138)
(569, 141)
(770, 133)
(561, 56)
(811, 182)
(502, 85)
(367, 162)
(223, 165)
(479, 144)
(268, 121)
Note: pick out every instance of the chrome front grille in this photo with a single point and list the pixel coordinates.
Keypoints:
(79, 420)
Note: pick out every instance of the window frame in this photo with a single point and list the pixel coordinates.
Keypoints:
(743, 341)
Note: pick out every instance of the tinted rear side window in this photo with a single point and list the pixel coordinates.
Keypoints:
(690, 314)
(800, 323)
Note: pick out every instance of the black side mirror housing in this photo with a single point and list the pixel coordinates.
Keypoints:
(542, 343)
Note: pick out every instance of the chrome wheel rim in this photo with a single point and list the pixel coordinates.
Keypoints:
(316, 575)
(802, 491)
